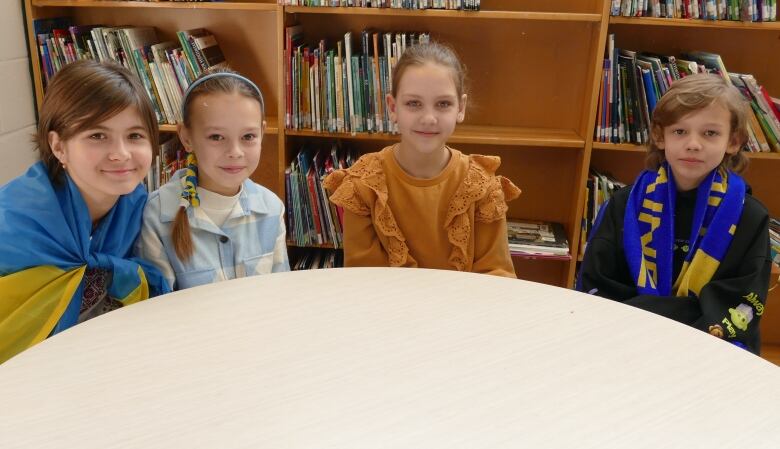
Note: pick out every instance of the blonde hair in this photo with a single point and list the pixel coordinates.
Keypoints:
(431, 53)
(207, 83)
(694, 93)
(83, 94)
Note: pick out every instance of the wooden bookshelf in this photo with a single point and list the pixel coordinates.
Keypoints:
(744, 47)
(530, 98)
(534, 68)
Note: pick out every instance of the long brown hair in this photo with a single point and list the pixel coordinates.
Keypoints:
(230, 83)
(691, 94)
(83, 94)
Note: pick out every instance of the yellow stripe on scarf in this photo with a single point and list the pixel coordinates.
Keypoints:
(33, 301)
(695, 275)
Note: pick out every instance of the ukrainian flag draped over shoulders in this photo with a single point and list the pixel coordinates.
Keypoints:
(46, 245)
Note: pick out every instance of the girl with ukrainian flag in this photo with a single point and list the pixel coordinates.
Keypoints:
(68, 225)
(687, 240)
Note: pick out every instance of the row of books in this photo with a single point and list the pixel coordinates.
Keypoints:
(538, 239)
(165, 69)
(312, 219)
(340, 89)
(598, 190)
(746, 10)
(170, 158)
(633, 82)
(774, 239)
(314, 259)
(467, 5)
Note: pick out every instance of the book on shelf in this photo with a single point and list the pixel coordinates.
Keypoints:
(316, 258)
(312, 220)
(599, 189)
(537, 238)
(342, 88)
(467, 5)
(166, 161)
(744, 10)
(165, 68)
(774, 239)
(632, 83)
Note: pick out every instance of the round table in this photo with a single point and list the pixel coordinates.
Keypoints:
(386, 358)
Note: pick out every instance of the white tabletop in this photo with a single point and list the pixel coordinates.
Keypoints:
(386, 358)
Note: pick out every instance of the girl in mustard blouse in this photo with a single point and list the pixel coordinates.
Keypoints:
(420, 203)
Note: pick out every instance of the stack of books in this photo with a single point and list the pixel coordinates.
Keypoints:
(340, 89)
(774, 239)
(747, 10)
(467, 5)
(312, 220)
(314, 259)
(599, 189)
(538, 239)
(633, 82)
(165, 69)
(170, 158)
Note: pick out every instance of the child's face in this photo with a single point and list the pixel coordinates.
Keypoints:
(225, 134)
(426, 108)
(108, 159)
(697, 144)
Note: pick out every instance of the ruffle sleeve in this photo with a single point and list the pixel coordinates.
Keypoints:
(489, 194)
(368, 175)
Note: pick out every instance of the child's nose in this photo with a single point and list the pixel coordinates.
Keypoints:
(234, 150)
(120, 152)
(694, 143)
(429, 116)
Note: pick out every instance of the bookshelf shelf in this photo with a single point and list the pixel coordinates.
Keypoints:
(695, 23)
(158, 5)
(320, 246)
(438, 13)
(489, 135)
(272, 127)
(628, 147)
(640, 149)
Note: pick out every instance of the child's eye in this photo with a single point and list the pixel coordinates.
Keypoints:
(136, 136)
(249, 136)
(711, 133)
(679, 132)
(413, 103)
(216, 137)
(444, 104)
(98, 136)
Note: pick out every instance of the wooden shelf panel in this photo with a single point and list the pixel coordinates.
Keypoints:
(322, 246)
(488, 135)
(272, 127)
(158, 5)
(631, 148)
(618, 147)
(695, 23)
(440, 13)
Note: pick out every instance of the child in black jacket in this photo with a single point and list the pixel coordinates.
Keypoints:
(687, 240)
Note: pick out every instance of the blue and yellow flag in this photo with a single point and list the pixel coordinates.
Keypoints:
(46, 245)
(648, 230)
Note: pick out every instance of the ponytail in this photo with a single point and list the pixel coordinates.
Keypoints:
(181, 234)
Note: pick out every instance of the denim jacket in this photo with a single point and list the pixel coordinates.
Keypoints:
(250, 242)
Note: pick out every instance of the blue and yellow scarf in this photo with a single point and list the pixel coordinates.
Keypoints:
(648, 234)
(46, 245)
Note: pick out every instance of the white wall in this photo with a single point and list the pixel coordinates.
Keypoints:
(17, 104)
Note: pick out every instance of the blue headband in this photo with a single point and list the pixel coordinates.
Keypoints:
(200, 80)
